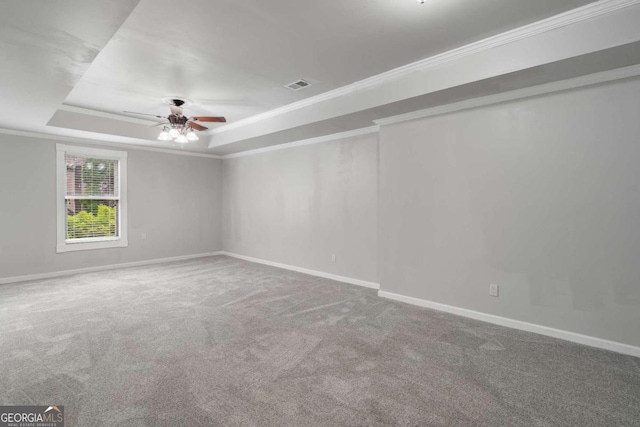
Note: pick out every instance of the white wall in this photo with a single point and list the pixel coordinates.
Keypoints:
(541, 196)
(174, 199)
(298, 206)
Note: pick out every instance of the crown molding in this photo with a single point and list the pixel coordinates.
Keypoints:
(103, 143)
(575, 83)
(316, 140)
(571, 17)
(562, 85)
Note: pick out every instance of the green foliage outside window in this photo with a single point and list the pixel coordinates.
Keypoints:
(100, 222)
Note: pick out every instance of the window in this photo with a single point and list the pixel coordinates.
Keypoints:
(92, 198)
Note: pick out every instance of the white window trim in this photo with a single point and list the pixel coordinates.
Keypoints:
(63, 245)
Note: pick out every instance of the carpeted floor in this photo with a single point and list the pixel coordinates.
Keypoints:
(220, 341)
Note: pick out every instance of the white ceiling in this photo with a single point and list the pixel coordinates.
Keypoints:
(45, 48)
(233, 57)
(72, 67)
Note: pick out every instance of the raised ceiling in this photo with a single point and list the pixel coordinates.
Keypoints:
(233, 57)
(73, 67)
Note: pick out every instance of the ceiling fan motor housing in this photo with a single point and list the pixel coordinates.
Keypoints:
(177, 120)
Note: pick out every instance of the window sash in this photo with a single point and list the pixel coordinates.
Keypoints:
(116, 198)
(91, 227)
(93, 239)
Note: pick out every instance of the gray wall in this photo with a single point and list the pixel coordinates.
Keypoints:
(174, 199)
(541, 196)
(299, 206)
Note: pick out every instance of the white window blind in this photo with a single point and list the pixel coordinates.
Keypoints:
(92, 197)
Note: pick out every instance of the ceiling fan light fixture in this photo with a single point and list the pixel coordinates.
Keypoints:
(191, 136)
(164, 136)
(174, 133)
(177, 126)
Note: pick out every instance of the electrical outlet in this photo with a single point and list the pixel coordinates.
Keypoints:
(333, 257)
(143, 236)
(493, 290)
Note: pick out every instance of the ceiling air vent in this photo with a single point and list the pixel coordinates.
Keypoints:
(300, 84)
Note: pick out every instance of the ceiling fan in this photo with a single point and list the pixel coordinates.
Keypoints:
(177, 126)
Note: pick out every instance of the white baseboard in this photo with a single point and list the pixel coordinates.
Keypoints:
(322, 274)
(51, 274)
(517, 324)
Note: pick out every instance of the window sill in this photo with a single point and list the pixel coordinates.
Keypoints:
(87, 246)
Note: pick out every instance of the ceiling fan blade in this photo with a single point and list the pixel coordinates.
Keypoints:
(196, 126)
(209, 119)
(144, 114)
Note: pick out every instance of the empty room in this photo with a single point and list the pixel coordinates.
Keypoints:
(335, 213)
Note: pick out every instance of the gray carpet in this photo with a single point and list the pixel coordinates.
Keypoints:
(219, 341)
